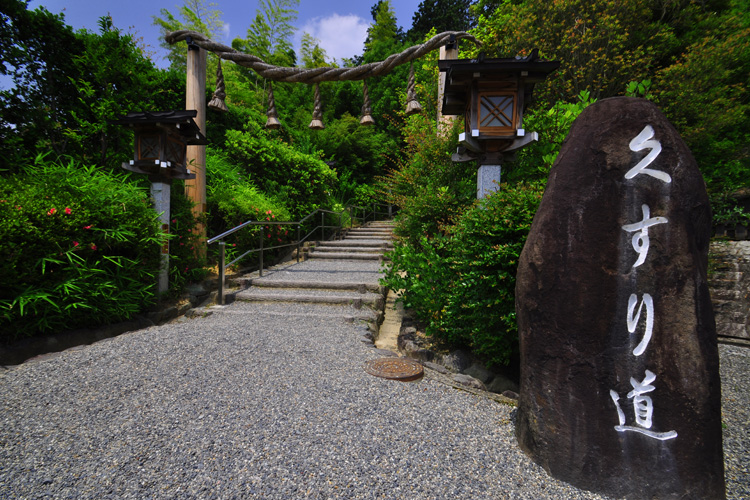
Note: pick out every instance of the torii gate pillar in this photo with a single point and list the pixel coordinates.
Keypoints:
(195, 90)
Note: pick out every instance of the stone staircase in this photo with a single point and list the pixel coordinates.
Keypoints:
(363, 243)
(341, 278)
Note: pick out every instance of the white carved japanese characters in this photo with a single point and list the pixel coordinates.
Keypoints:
(643, 405)
(620, 388)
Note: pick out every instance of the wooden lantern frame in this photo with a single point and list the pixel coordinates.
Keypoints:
(492, 95)
(160, 142)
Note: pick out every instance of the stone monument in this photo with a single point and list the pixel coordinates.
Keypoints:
(620, 389)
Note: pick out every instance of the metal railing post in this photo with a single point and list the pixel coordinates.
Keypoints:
(322, 226)
(222, 272)
(341, 225)
(298, 235)
(262, 237)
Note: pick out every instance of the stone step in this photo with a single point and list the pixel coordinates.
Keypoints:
(341, 248)
(345, 256)
(373, 228)
(258, 309)
(367, 238)
(321, 285)
(296, 295)
(368, 234)
(385, 230)
(371, 243)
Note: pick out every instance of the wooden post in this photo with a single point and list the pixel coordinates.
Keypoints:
(444, 122)
(195, 90)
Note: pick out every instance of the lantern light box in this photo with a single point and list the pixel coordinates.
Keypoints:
(161, 140)
(492, 95)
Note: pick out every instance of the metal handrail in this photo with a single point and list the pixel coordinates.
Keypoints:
(299, 241)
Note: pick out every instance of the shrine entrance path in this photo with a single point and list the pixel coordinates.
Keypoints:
(269, 399)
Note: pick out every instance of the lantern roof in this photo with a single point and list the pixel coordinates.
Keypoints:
(461, 74)
(181, 122)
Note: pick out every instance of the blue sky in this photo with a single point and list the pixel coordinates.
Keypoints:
(340, 25)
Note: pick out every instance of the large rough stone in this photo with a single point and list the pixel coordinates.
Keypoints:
(588, 398)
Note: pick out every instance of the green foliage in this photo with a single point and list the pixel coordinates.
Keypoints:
(233, 199)
(443, 15)
(705, 94)
(80, 248)
(185, 264)
(67, 85)
(462, 284)
(195, 15)
(535, 160)
(429, 188)
(304, 182)
(270, 34)
(639, 89)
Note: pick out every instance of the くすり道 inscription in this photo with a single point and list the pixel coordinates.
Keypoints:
(620, 389)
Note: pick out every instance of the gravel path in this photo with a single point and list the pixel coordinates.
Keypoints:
(243, 404)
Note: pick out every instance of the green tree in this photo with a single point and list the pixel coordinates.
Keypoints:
(311, 54)
(36, 53)
(442, 15)
(195, 15)
(270, 34)
(67, 85)
(602, 44)
(705, 94)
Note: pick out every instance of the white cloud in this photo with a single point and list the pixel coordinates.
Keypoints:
(225, 32)
(340, 36)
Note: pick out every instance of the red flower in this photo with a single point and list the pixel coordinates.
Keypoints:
(87, 227)
(75, 243)
(268, 213)
(93, 247)
(52, 211)
(174, 221)
(68, 211)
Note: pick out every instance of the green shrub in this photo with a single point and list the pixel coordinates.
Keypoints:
(233, 199)
(462, 285)
(304, 182)
(80, 248)
(185, 265)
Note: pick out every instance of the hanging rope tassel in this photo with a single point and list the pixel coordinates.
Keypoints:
(412, 105)
(366, 118)
(217, 100)
(273, 122)
(317, 118)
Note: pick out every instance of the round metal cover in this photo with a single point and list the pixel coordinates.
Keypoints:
(395, 369)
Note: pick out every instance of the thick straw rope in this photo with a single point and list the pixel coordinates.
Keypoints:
(315, 75)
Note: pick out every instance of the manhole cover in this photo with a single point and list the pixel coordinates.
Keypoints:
(395, 369)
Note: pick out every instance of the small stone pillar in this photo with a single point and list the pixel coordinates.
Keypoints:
(488, 180)
(160, 195)
(620, 390)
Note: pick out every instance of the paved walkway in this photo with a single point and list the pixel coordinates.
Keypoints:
(269, 400)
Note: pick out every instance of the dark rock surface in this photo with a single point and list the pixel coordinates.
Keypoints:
(587, 353)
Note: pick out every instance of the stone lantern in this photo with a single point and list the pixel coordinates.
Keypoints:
(492, 95)
(161, 140)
